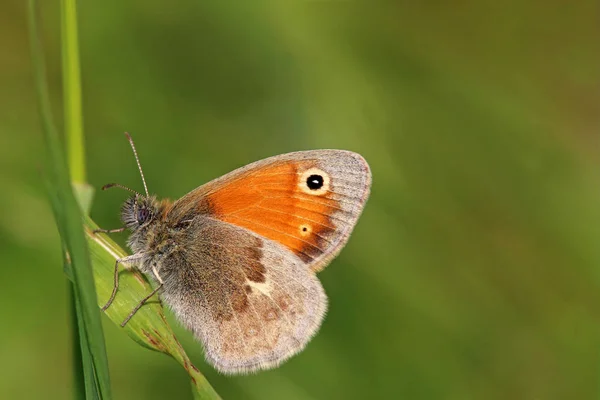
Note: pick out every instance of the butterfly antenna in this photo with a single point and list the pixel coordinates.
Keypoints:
(110, 185)
(137, 159)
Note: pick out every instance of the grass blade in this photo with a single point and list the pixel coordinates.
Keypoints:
(77, 354)
(89, 379)
(85, 382)
(68, 219)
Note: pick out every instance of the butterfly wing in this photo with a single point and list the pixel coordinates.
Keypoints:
(306, 201)
(250, 301)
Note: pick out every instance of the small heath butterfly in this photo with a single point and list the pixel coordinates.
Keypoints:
(236, 259)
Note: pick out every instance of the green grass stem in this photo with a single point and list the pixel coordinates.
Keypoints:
(68, 219)
(72, 91)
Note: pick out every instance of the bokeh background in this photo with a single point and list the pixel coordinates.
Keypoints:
(474, 272)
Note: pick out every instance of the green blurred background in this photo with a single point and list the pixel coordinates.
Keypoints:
(474, 272)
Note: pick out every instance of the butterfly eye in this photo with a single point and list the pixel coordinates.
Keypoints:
(143, 215)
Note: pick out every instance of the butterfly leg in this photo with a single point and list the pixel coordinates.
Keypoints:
(145, 299)
(99, 230)
(116, 276)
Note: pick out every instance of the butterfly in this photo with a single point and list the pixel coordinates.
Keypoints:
(236, 259)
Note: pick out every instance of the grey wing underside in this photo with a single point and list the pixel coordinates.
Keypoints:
(251, 302)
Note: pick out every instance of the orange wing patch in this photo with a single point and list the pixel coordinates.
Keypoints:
(272, 203)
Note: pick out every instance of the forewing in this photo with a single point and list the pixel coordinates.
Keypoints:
(274, 199)
(251, 302)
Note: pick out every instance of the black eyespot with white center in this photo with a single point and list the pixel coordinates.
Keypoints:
(143, 215)
(314, 182)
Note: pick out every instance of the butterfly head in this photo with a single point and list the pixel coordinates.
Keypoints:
(138, 211)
